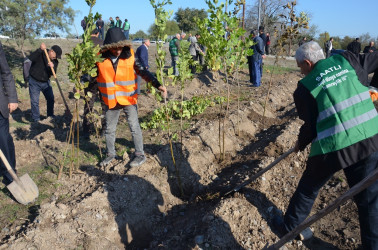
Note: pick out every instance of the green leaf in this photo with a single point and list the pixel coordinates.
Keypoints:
(77, 95)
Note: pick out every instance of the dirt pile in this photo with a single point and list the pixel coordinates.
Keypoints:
(143, 208)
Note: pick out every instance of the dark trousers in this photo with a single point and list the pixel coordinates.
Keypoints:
(315, 176)
(35, 87)
(7, 146)
(255, 71)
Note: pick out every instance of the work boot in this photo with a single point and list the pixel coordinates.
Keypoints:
(138, 161)
(107, 161)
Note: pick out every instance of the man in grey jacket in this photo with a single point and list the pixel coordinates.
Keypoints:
(8, 103)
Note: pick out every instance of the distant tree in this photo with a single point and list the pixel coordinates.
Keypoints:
(171, 29)
(365, 39)
(140, 34)
(24, 19)
(345, 41)
(323, 38)
(269, 15)
(185, 18)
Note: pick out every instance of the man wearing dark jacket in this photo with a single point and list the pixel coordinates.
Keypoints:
(8, 103)
(255, 61)
(40, 72)
(340, 122)
(370, 48)
(142, 55)
(355, 46)
(116, 81)
(100, 26)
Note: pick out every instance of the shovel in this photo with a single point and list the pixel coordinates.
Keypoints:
(23, 189)
(68, 112)
(353, 191)
(261, 172)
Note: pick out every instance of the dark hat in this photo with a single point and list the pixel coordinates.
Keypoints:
(115, 38)
(57, 50)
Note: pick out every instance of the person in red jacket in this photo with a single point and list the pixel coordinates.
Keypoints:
(117, 82)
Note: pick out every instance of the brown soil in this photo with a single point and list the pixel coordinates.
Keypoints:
(121, 207)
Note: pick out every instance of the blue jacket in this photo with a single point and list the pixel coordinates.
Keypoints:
(258, 48)
(142, 55)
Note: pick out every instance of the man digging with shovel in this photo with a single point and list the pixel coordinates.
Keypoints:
(40, 72)
(341, 123)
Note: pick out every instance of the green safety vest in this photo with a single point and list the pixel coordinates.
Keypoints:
(172, 47)
(118, 23)
(346, 112)
(126, 26)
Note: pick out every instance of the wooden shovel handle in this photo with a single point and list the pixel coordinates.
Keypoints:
(9, 168)
(48, 59)
(369, 180)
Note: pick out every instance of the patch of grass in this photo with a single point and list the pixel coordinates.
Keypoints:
(278, 70)
(15, 124)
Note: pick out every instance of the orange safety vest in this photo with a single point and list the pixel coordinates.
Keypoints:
(118, 87)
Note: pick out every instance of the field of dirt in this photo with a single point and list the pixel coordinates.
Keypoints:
(120, 207)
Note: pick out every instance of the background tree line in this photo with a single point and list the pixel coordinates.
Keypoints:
(24, 20)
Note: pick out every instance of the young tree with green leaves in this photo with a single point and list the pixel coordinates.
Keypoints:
(290, 27)
(24, 20)
(221, 34)
(82, 61)
(161, 18)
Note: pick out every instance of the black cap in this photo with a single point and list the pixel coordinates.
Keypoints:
(57, 50)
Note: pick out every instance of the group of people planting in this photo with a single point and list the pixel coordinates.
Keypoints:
(333, 100)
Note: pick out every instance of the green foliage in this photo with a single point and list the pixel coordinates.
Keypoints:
(213, 34)
(84, 56)
(185, 60)
(290, 26)
(24, 20)
(171, 29)
(139, 34)
(186, 18)
(190, 108)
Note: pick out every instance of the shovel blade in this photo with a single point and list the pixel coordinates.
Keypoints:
(24, 192)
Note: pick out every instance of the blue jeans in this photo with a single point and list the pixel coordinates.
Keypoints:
(174, 65)
(35, 87)
(101, 33)
(126, 32)
(7, 146)
(315, 176)
(112, 116)
(255, 71)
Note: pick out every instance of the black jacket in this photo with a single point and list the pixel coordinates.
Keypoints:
(367, 48)
(40, 70)
(308, 112)
(8, 93)
(354, 47)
